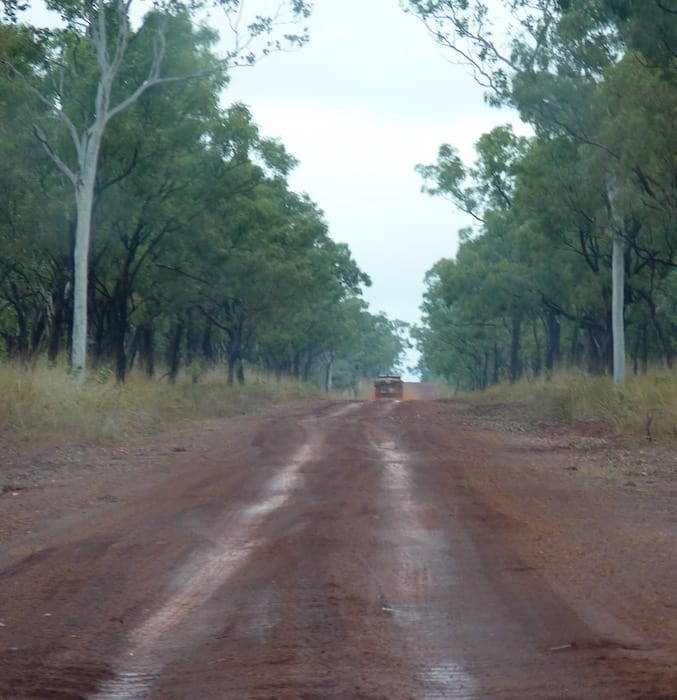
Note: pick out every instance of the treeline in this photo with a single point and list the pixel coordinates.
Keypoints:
(530, 289)
(200, 253)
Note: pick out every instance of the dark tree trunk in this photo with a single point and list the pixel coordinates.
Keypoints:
(99, 328)
(119, 333)
(297, 371)
(37, 335)
(174, 351)
(552, 348)
(60, 307)
(515, 347)
(235, 353)
(664, 338)
(640, 349)
(193, 340)
(147, 345)
(55, 333)
(207, 345)
(575, 351)
(496, 377)
(598, 359)
(230, 376)
(232, 356)
(329, 373)
(536, 363)
(307, 367)
(19, 346)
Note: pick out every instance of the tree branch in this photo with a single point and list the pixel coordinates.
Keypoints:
(42, 138)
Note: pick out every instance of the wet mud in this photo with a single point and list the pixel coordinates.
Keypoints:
(341, 550)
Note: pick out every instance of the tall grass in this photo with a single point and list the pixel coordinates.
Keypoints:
(646, 405)
(46, 404)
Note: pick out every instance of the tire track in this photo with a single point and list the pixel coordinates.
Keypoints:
(151, 644)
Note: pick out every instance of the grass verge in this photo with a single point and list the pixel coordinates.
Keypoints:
(46, 404)
(646, 405)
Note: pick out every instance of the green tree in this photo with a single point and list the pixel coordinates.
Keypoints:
(34, 224)
(81, 97)
(595, 78)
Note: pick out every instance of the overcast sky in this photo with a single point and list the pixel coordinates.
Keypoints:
(367, 99)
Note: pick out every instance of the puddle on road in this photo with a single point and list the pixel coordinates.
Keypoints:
(449, 681)
(279, 491)
(397, 481)
(410, 592)
(417, 613)
(348, 408)
(127, 685)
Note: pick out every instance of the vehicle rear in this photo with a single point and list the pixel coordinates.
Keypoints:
(388, 387)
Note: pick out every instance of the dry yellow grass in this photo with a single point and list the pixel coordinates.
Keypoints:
(646, 405)
(45, 402)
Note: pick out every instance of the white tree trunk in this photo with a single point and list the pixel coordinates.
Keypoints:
(329, 373)
(84, 197)
(617, 280)
(617, 308)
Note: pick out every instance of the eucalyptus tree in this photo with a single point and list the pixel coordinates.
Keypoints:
(79, 99)
(556, 66)
(265, 267)
(319, 317)
(485, 186)
(150, 176)
(485, 191)
(457, 339)
(640, 104)
(35, 219)
(335, 324)
(367, 345)
(383, 342)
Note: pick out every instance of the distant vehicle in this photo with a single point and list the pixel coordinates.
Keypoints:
(388, 386)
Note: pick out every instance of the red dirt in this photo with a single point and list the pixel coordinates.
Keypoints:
(342, 550)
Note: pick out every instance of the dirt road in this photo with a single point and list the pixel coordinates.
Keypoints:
(341, 550)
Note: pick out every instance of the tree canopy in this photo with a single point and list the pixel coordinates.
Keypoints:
(199, 252)
(531, 286)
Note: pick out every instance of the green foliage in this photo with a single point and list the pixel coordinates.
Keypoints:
(530, 289)
(96, 68)
(200, 252)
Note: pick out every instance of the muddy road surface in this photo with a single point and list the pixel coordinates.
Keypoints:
(341, 550)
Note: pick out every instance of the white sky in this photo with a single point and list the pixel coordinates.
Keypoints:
(367, 99)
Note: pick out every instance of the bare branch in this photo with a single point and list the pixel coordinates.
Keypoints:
(121, 44)
(60, 115)
(467, 33)
(42, 137)
(665, 9)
